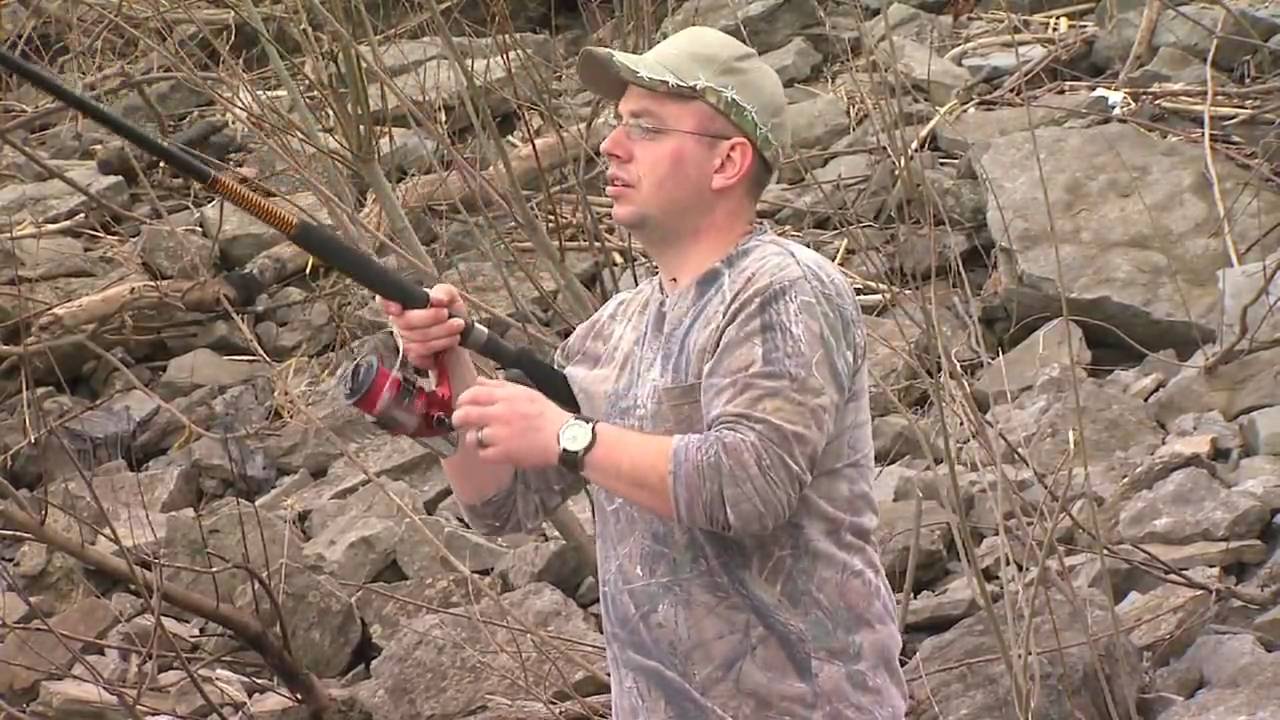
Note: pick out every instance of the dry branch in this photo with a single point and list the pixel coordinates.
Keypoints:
(461, 186)
(245, 627)
(194, 295)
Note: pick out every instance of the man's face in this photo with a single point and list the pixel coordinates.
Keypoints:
(658, 177)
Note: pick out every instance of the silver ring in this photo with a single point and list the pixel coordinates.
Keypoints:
(480, 437)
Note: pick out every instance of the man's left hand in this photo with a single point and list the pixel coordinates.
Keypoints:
(509, 423)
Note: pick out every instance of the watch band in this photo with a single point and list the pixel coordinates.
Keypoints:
(573, 459)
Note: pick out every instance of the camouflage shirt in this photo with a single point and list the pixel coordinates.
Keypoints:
(766, 597)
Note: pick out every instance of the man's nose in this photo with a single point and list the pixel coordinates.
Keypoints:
(611, 145)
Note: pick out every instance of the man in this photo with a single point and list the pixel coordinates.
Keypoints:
(725, 429)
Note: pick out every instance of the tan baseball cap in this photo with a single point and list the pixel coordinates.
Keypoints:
(700, 62)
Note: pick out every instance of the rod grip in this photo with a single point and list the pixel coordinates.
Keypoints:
(325, 244)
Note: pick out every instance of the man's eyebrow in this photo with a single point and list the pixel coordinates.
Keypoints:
(639, 113)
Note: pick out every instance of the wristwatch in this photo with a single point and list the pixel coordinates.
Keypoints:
(576, 437)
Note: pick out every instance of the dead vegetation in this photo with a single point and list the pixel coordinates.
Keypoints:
(1060, 217)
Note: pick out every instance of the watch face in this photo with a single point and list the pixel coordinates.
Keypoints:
(575, 435)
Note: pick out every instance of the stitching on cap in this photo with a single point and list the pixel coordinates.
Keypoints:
(701, 84)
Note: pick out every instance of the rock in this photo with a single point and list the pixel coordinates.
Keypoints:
(138, 504)
(1017, 371)
(226, 466)
(1261, 430)
(554, 562)
(436, 82)
(302, 325)
(402, 55)
(1191, 505)
(240, 237)
(354, 539)
(959, 202)
(1200, 446)
(1192, 28)
(1212, 553)
(940, 80)
(53, 200)
(324, 629)
(1167, 620)
(997, 64)
(403, 151)
(452, 664)
(419, 557)
(218, 689)
(1171, 65)
(834, 185)
(272, 706)
(922, 254)
(229, 531)
(1243, 289)
(163, 428)
(90, 701)
(1233, 389)
(1118, 25)
(1267, 627)
(895, 382)
(31, 655)
(84, 442)
(794, 62)
(387, 606)
(1259, 476)
(903, 20)
(1224, 436)
(1043, 420)
(1116, 270)
(173, 97)
(973, 131)
(204, 368)
(894, 536)
(13, 609)
(764, 24)
(1067, 678)
(164, 634)
(176, 252)
(817, 122)
(395, 458)
(1237, 674)
(941, 610)
(49, 257)
(899, 436)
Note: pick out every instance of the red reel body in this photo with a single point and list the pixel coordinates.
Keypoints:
(397, 404)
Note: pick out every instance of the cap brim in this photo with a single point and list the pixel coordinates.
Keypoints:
(607, 73)
(600, 73)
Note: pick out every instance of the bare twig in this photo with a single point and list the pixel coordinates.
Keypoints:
(246, 627)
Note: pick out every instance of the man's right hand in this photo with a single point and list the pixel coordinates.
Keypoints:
(427, 331)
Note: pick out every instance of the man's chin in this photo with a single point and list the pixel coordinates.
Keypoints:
(624, 218)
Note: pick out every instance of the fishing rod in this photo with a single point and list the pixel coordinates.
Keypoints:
(400, 406)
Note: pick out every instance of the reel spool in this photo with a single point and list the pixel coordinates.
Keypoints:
(396, 403)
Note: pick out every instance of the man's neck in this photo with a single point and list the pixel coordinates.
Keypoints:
(682, 256)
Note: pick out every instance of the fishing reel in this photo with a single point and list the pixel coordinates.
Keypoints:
(396, 402)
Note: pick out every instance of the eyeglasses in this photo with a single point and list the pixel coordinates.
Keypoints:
(641, 130)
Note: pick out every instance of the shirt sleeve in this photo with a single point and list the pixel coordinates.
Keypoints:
(771, 391)
(528, 501)
(533, 493)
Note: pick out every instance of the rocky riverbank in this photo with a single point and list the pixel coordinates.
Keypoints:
(1071, 297)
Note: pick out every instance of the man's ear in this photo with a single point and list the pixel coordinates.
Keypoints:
(733, 165)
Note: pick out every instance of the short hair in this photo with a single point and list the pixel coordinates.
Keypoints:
(761, 174)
